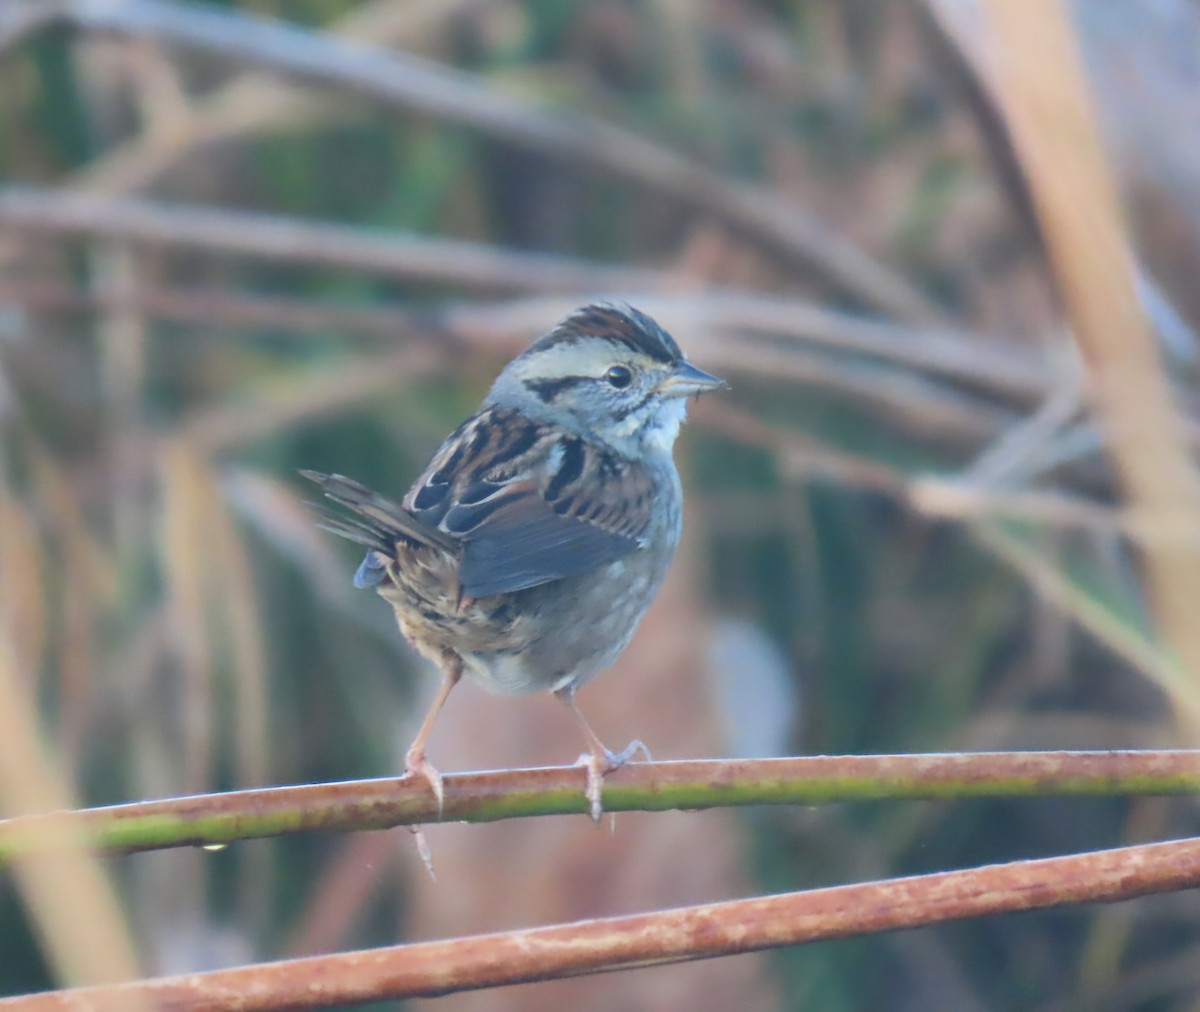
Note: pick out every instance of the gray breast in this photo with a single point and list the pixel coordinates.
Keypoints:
(573, 629)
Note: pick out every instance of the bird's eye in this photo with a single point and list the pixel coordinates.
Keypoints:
(619, 376)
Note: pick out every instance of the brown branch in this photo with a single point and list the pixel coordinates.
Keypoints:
(1042, 89)
(937, 410)
(659, 786)
(253, 103)
(20, 20)
(716, 929)
(420, 86)
(922, 404)
(212, 308)
(303, 398)
(284, 239)
(801, 456)
(1002, 368)
(1005, 367)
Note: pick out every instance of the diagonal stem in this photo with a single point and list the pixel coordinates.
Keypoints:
(652, 786)
(669, 936)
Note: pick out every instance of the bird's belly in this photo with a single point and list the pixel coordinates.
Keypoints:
(573, 629)
(547, 637)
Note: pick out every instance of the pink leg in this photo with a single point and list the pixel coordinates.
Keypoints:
(598, 761)
(415, 762)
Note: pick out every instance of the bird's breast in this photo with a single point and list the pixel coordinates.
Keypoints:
(543, 637)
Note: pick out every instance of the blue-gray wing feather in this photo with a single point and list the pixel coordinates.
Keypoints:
(528, 504)
(516, 503)
(525, 543)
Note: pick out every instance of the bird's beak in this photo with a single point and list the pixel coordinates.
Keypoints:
(687, 380)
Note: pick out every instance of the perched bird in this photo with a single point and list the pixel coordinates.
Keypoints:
(527, 552)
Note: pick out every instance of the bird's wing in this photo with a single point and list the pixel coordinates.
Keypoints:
(529, 504)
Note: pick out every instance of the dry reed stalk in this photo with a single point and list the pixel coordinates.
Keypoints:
(1043, 93)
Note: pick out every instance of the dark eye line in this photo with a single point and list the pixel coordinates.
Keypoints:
(549, 389)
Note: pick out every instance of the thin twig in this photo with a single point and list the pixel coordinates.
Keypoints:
(1018, 455)
(800, 456)
(1004, 367)
(256, 103)
(430, 969)
(421, 86)
(283, 239)
(952, 499)
(708, 315)
(214, 308)
(936, 410)
(1116, 631)
(923, 405)
(485, 797)
(19, 21)
(293, 398)
(920, 405)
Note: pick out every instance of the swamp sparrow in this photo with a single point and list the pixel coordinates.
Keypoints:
(528, 551)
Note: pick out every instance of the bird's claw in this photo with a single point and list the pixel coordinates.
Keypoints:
(416, 765)
(598, 765)
(423, 851)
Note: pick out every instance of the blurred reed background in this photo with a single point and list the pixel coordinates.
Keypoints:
(233, 247)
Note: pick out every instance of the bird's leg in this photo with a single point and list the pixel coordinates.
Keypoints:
(598, 760)
(415, 762)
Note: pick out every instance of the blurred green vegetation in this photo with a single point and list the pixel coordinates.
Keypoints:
(185, 627)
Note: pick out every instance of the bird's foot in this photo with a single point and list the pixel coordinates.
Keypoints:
(423, 851)
(416, 765)
(598, 765)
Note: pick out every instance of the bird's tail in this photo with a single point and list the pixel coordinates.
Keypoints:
(374, 521)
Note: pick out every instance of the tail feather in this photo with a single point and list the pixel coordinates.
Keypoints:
(377, 521)
(351, 530)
